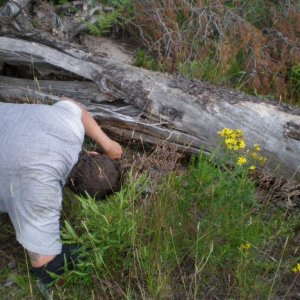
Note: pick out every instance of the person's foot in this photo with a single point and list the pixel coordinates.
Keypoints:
(69, 255)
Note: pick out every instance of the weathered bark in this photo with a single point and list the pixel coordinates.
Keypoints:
(122, 120)
(39, 91)
(46, 39)
(13, 13)
(194, 108)
(93, 48)
(12, 9)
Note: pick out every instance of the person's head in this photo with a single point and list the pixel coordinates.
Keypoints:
(95, 175)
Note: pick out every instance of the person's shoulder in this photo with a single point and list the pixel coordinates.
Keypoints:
(68, 106)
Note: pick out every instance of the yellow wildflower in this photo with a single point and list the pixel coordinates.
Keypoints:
(229, 141)
(262, 159)
(231, 133)
(242, 160)
(239, 145)
(242, 144)
(226, 132)
(245, 247)
(256, 147)
(238, 134)
(296, 269)
(254, 155)
(252, 168)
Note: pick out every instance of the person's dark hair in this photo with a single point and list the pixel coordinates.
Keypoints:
(95, 175)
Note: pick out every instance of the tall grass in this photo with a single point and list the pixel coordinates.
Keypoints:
(198, 235)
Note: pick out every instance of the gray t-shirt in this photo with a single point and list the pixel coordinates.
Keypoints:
(39, 145)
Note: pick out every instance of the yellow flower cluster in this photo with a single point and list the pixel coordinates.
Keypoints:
(242, 160)
(233, 138)
(245, 247)
(296, 269)
(256, 156)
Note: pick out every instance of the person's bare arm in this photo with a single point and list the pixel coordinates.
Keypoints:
(111, 148)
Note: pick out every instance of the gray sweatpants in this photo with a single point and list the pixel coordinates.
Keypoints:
(39, 145)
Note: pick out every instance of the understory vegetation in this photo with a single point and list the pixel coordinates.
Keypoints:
(201, 235)
(201, 232)
(249, 45)
(194, 234)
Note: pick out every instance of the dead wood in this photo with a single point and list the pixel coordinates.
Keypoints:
(39, 91)
(190, 113)
(93, 48)
(14, 13)
(120, 119)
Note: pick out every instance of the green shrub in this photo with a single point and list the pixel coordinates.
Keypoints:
(108, 231)
(104, 23)
(61, 2)
(197, 235)
(294, 82)
(255, 12)
(213, 71)
(207, 223)
(142, 59)
(118, 17)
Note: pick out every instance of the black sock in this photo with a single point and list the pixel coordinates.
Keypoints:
(56, 265)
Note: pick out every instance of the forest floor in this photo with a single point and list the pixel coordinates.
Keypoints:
(217, 250)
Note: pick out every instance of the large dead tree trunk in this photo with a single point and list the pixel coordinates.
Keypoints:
(191, 110)
(123, 120)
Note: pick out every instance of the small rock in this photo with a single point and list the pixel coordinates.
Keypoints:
(9, 283)
(12, 264)
(46, 291)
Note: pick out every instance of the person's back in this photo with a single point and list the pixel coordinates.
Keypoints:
(39, 145)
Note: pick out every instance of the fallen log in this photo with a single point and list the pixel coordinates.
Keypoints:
(118, 118)
(93, 48)
(194, 108)
(39, 91)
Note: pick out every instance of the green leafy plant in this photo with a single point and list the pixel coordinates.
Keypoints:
(210, 69)
(118, 17)
(104, 23)
(207, 223)
(2, 2)
(294, 81)
(196, 234)
(107, 232)
(142, 59)
(61, 2)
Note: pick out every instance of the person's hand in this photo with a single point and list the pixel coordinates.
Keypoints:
(114, 150)
(92, 153)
